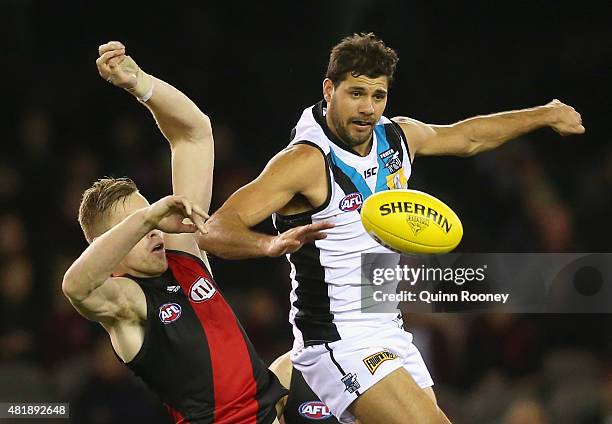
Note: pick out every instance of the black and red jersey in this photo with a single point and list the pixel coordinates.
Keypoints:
(196, 355)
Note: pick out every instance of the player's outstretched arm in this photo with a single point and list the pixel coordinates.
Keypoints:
(183, 124)
(482, 133)
(88, 283)
(289, 173)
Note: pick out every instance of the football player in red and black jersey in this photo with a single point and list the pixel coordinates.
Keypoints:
(145, 280)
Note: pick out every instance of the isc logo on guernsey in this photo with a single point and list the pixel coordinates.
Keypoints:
(169, 312)
(314, 410)
(351, 202)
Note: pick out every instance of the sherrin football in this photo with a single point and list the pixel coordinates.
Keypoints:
(410, 221)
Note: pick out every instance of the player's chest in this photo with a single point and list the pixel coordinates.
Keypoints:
(193, 298)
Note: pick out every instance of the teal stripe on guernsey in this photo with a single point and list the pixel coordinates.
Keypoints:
(353, 175)
(383, 146)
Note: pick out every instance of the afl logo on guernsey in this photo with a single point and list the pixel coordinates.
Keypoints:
(202, 290)
(169, 312)
(314, 410)
(351, 202)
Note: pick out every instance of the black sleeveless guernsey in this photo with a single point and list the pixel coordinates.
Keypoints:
(196, 356)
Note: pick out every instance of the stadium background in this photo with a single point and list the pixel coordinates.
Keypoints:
(252, 67)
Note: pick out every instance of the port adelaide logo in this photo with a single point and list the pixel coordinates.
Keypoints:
(351, 202)
(169, 312)
(350, 382)
(314, 410)
(374, 361)
(391, 160)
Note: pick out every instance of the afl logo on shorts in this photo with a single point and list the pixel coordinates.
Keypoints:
(314, 410)
(351, 202)
(169, 312)
(202, 290)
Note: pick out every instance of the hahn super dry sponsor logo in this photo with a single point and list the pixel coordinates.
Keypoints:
(351, 383)
(413, 210)
(202, 290)
(374, 361)
(314, 410)
(351, 202)
(169, 312)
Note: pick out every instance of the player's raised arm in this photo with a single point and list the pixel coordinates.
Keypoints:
(187, 129)
(482, 133)
(88, 282)
(288, 174)
(185, 126)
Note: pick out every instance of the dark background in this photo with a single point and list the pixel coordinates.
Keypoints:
(253, 67)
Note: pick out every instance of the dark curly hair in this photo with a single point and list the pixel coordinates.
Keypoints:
(361, 54)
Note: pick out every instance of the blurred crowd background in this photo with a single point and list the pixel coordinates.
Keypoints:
(253, 67)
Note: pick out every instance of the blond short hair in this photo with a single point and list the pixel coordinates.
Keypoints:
(98, 201)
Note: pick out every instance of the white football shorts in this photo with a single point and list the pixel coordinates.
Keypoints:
(339, 372)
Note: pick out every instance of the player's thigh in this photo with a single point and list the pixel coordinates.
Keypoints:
(432, 395)
(429, 392)
(396, 399)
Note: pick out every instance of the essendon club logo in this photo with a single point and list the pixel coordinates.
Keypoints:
(202, 290)
(351, 202)
(374, 361)
(314, 410)
(169, 312)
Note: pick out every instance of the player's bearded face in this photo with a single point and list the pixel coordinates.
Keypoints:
(355, 106)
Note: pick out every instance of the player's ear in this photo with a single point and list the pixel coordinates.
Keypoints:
(328, 89)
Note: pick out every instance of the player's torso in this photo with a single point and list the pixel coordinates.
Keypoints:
(194, 353)
(326, 276)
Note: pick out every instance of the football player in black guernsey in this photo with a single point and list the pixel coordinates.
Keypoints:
(144, 279)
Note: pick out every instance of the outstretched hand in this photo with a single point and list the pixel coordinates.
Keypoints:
(565, 119)
(169, 213)
(292, 240)
(112, 68)
(121, 70)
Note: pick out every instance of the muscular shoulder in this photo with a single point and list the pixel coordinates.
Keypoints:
(295, 164)
(118, 300)
(417, 133)
(131, 301)
(414, 129)
(302, 155)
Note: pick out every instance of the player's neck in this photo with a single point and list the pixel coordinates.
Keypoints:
(363, 149)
